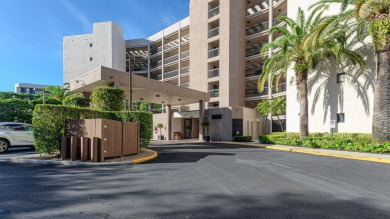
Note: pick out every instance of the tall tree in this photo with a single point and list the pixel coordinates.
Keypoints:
(376, 15)
(57, 92)
(303, 52)
(278, 108)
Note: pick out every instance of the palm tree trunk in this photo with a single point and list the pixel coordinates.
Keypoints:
(381, 117)
(301, 78)
(280, 123)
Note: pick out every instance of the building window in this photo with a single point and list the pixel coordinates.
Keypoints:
(340, 118)
(340, 78)
(90, 59)
(218, 116)
(32, 91)
(23, 90)
(90, 45)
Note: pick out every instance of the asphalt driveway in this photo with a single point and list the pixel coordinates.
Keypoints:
(194, 180)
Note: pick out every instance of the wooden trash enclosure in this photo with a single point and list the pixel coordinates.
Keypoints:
(116, 138)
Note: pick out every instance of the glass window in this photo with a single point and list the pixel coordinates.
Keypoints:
(15, 127)
(90, 59)
(341, 77)
(23, 90)
(29, 128)
(90, 45)
(340, 117)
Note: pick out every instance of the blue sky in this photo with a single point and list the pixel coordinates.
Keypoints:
(31, 31)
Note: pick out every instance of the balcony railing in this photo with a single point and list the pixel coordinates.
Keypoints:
(214, 93)
(253, 50)
(281, 88)
(253, 72)
(276, 21)
(214, 12)
(257, 28)
(185, 70)
(170, 74)
(185, 54)
(255, 93)
(170, 59)
(185, 39)
(213, 53)
(214, 32)
(171, 45)
(156, 51)
(214, 73)
(155, 65)
(186, 84)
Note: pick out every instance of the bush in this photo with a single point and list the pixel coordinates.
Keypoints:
(242, 138)
(49, 124)
(76, 100)
(108, 99)
(15, 110)
(48, 100)
(340, 141)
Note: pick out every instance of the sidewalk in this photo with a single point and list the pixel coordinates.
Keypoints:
(380, 158)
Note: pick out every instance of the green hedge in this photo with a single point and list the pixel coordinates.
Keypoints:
(15, 110)
(242, 138)
(341, 141)
(108, 98)
(49, 124)
(76, 100)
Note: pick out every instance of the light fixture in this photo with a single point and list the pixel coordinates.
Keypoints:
(157, 95)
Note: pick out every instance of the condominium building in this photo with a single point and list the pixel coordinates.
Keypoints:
(29, 88)
(215, 50)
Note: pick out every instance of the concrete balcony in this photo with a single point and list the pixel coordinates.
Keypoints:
(213, 53)
(185, 55)
(214, 73)
(214, 12)
(214, 32)
(214, 93)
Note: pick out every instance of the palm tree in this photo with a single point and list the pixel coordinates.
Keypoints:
(303, 52)
(376, 15)
(58, 92)
(278, 108)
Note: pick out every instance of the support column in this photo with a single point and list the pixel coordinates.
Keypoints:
(149, 60)
(169, 122)
(270, 39)
(201, 117)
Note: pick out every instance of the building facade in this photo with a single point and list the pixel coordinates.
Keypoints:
(29, 88)
(215, 50)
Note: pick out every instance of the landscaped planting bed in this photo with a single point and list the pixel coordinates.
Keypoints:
(340, 141)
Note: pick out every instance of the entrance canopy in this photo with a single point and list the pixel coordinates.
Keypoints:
(144, 89)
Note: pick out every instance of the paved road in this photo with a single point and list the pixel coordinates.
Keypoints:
(201, 181)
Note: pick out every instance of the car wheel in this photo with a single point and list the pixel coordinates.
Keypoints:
(4, 145)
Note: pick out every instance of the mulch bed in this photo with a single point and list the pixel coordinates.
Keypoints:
(143, 153)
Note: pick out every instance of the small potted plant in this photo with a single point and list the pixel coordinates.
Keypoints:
(205, 123)
(160, 126)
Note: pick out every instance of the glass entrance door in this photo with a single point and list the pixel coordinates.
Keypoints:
(187, 128)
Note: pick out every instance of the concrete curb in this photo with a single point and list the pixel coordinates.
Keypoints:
(145, 159)
(313, 152)
(25, 160)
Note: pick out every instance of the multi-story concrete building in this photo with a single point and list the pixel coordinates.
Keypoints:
(214, 50)
(29, 88)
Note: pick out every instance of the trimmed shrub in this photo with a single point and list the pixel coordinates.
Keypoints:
(360, 142)
(48, 100)
(76, 100)
(15, 110)
(49, 124)
(242, 138)
(108, 99)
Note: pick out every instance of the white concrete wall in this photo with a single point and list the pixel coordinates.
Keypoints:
(327, 97)
(252, 123)
(108, 49)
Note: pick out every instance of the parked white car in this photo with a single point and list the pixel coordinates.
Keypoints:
(14, 134)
